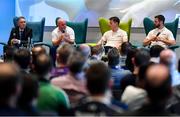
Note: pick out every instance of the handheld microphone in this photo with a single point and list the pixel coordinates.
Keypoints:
(63, 30)
(158, 34)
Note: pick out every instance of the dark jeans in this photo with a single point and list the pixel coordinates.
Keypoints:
(107, 48)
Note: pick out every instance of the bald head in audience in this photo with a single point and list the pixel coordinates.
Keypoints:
(158, 83)
(38, 50)
(85, 50)
(168, 57)
(9, 84)
(61, 24)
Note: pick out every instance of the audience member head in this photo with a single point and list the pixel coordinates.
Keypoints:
(113, 57)
(98, 78)
(85, 50)
(29, 91)
(76, 62)
(42, 64)
(140, 81)
(124, 48)
(97, 50)
(141, 57)
(63, 52)
(23, 58)
(158, 83)
(168, 57)
(130, 55)
(10, 84)
(9, 53)
(159, 21)
(156, 50)
(36, 51)
(21, 22)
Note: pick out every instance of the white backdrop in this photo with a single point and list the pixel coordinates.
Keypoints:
(78, 10)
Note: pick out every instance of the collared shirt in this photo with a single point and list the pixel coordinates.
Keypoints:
(21, 31)
(57, 33)
(165, 34)
(69, 82)
(59, 71)
(134, 97)
(114, 39)
(106, 99)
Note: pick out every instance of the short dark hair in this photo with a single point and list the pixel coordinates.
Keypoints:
(131, 53)
(125, 46)
(36, 51)
(160, 18)
(76, 62)
(23, 58)
(113, 57)
(9, 52)
(156, 50)
(42, 64)
(142, 57)
(96, 50)
(20, 17)
(64, 52)
(115, 19)
(142, 71)
(98, 76)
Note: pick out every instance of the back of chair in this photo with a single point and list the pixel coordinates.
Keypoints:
(80, 30)
(104, 26)
(172, 26)
(37, 29)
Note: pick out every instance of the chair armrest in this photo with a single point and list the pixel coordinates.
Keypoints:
(173, 47)
(2, 43)
(42, 43)
(91, 44)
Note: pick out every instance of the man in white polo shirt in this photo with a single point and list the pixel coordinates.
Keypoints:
(62, 33)
(116, 36)
(160, 35)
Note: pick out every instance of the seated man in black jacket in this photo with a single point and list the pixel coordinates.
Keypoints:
(20, 34)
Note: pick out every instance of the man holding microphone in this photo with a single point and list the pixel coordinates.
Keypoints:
(62, 34)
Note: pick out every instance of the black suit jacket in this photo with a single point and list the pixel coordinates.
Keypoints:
(16, 34)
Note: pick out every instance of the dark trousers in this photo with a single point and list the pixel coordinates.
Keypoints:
(53, 54)
(107, 48)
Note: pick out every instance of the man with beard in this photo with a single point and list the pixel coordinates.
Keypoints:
(160, 35)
